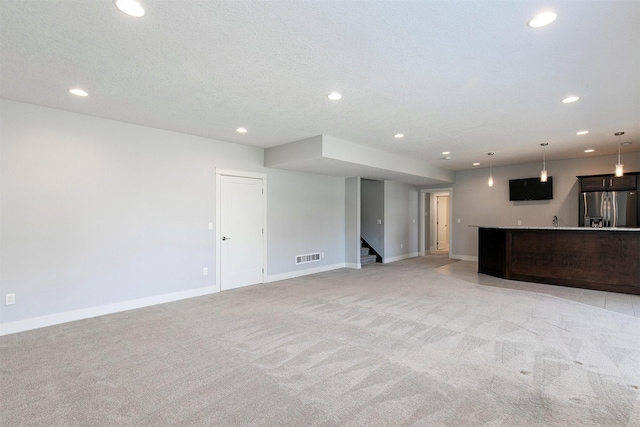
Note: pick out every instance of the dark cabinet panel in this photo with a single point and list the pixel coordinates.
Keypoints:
(593, 183)
(492, 251)
(626, 182)
(588, 259)
(608, 182)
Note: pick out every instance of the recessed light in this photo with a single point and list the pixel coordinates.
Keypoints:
(582, 132)
(130, 7)
(542, 19)
(334, 96)
(590, 150)
(446, 152)
(476, 164)
(78, 92)
(398, 135)
(241, 130)
(570, 99)
(446, 158)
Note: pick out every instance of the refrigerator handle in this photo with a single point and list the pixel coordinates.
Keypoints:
(614, 209)
(603, 209)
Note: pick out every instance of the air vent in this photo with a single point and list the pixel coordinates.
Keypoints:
(303, 259)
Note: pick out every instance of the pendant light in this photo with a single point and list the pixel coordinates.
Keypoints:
(619, 171)
(490, 182)
(543, 173)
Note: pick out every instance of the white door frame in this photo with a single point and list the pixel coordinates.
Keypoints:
(422, 227)
(255, 175)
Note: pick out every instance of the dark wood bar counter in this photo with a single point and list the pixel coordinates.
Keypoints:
(604, 259)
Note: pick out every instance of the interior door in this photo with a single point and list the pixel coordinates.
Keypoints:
(241, 232)
(442, 242)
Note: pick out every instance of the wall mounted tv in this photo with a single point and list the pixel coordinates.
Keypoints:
(530, 189)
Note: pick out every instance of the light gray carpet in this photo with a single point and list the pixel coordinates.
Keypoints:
(388, 345)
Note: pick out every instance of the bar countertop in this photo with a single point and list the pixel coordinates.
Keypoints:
(520, 227)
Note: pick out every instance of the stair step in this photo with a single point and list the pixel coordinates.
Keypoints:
(367, 259)
(364, 251)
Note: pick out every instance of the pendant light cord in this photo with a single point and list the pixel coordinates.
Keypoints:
(619, 171)
(619, 135)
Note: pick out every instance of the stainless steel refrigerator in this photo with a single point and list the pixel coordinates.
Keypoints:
(609, 209)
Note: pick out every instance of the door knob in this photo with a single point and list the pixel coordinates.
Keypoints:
(226, 238)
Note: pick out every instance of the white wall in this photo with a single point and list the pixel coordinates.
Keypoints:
(475, 203)
(352, 216)
(373, 199)
(306, 214)
(401, 213)
(100, 213)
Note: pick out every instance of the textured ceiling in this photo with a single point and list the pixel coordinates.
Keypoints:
(462, 76)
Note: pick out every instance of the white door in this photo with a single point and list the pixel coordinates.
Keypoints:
(241, 232)
(443, 223)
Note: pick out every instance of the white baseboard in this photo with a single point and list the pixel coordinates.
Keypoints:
(399, 257)
(305, 272)
(355, 265)
(86, 313)
(464, 257)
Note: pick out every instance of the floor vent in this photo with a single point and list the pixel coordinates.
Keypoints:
(303, 259)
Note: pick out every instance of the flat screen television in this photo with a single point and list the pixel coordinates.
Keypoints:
(530, 189)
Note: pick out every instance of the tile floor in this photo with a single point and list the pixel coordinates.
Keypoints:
(620, 303)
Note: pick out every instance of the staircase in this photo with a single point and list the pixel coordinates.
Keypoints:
(365, 255)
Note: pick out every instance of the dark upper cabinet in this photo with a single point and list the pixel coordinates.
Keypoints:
(625, 182)
(593, 183)
(608, 182)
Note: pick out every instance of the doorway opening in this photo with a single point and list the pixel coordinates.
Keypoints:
(435, 221)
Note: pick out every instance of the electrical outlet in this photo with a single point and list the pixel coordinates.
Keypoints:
(401, 246)
(379, 222)
(519, 222)
(205, 271)
(458, 220)
(210, 226)
(9, 299)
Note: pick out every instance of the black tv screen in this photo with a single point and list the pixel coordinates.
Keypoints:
(530, 189)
